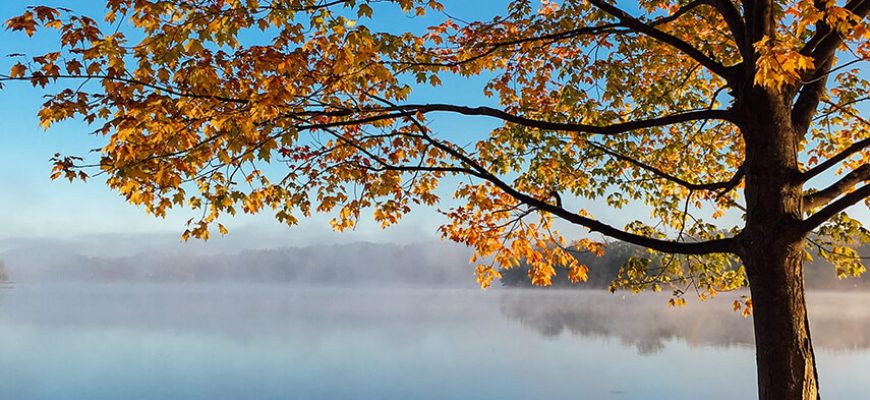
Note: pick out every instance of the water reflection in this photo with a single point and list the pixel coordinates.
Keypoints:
(839, 321)
(243, 313)
(190, 342)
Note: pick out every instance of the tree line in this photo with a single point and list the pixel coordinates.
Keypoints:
(605, 268)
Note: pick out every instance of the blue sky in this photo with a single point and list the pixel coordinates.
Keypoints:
(32, 206)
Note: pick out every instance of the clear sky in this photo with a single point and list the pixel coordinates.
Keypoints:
(32, 206)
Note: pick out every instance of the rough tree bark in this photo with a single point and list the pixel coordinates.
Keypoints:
(772, 251)
(784, 349)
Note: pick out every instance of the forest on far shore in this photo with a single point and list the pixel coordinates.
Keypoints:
(603, 269)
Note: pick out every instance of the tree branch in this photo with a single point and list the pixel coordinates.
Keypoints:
(407, 110)
(808, 99)
(493, 47)
(821, 47)
(731, 14)
(728, 245)
(665, 246)
(387, 166)
(826, 40)
(681, 11)
(836, 159)
(129, 81)
(835, 207)
(679, 181)
(848, 181)
(586, 30)
(675, 42)
(841, 107)
(622, 127)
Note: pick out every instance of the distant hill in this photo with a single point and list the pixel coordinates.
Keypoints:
(439, 264)
(371, 264)
(602, 271)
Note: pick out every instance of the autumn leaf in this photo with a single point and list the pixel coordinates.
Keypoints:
(25, 22)
(18, 70)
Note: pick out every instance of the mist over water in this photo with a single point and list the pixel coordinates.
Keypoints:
(271, 341)
(115, 320)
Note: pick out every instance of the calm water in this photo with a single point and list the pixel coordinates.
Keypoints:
(271, 342)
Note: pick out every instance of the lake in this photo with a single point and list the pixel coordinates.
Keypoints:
(209, 341)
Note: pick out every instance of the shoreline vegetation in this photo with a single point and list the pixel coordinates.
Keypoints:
(819, 274)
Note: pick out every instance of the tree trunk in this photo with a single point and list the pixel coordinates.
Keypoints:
(784, 351)
(772, 250)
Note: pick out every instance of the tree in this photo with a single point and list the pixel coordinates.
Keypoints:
(694, 108)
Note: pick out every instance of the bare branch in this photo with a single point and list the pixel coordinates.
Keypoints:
(836, 159)
(848, 181)
(835, 207)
